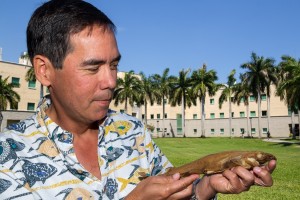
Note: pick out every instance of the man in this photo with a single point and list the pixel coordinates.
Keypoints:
(74, 147)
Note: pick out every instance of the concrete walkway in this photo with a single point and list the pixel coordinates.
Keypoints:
(281, 140)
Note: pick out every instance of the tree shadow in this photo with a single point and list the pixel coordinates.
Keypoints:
(286, 144)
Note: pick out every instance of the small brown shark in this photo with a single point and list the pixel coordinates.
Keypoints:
(219, 162)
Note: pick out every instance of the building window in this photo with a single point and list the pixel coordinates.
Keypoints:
(253, 131)
(134, 114)
(31, 84)
(212, 131)
(157, 130)
(122, 111)
(232, 114)
(232, 131)
(263, 97)
(195, 131)
(265, 130)
(221, 130)
(264, 113)
(194, 116)
(212, 101)
(252, 98)
(221, 115)
(165, 101)
(242, 99)
(15, 81)
(152, 116)
(143, 116)
(212, 115)
(166, 115)
(252, 114)
(242, 114)
(242, 131)
(30, 106)
(158, 116)
(232, 99)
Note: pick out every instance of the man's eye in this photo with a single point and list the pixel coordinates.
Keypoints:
(114, 66)
(93, 69)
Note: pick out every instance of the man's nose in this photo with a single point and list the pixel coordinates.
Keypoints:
(108, 78)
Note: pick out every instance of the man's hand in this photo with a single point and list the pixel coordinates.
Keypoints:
(235, 181)
(163, 187)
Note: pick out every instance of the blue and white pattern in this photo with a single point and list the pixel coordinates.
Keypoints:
(37, 159)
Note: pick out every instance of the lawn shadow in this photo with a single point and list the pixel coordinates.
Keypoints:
(286, 144)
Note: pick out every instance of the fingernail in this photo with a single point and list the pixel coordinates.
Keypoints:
(257, 169)
(176, 176)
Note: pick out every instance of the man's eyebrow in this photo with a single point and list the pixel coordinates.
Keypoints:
(99, 62)
(117, 59)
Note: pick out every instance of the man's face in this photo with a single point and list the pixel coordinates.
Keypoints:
(82, 90)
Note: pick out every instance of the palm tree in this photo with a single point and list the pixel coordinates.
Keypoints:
(30, 74)
(241, 93)
(257, 78)
(147, 92)
(226, 95)
(182, 94)
(203, 82)
(162, 84)
(270, 79)
(288, 87)
(7, 95)
(127, 90)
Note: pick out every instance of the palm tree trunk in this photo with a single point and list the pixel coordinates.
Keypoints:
(230, 117)
(293, 125)
(203, 116)
(1, 118)
(183, 115)
(268, 112)
(248, 120)
(125, 109)
(259, 114)
(145, 118)
(163, 117)
(298, 123)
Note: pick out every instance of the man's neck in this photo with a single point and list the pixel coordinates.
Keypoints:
(78, 128)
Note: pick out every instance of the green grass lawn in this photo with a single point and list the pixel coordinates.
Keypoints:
(286, 176)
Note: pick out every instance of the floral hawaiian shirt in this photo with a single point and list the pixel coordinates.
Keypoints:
(37, 159)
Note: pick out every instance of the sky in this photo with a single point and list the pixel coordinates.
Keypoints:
(179, 34)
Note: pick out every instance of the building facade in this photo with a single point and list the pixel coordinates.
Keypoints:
(216, 123)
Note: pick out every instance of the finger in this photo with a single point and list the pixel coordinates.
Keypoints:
(240, 179)
(182, 184)
(245, 176)
(263, 177)
(271, 166)
(233, 184)
(183, 194)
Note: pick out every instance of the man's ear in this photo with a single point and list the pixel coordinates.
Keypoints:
(42, 69)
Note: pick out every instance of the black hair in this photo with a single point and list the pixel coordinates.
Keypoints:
(52, 24)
